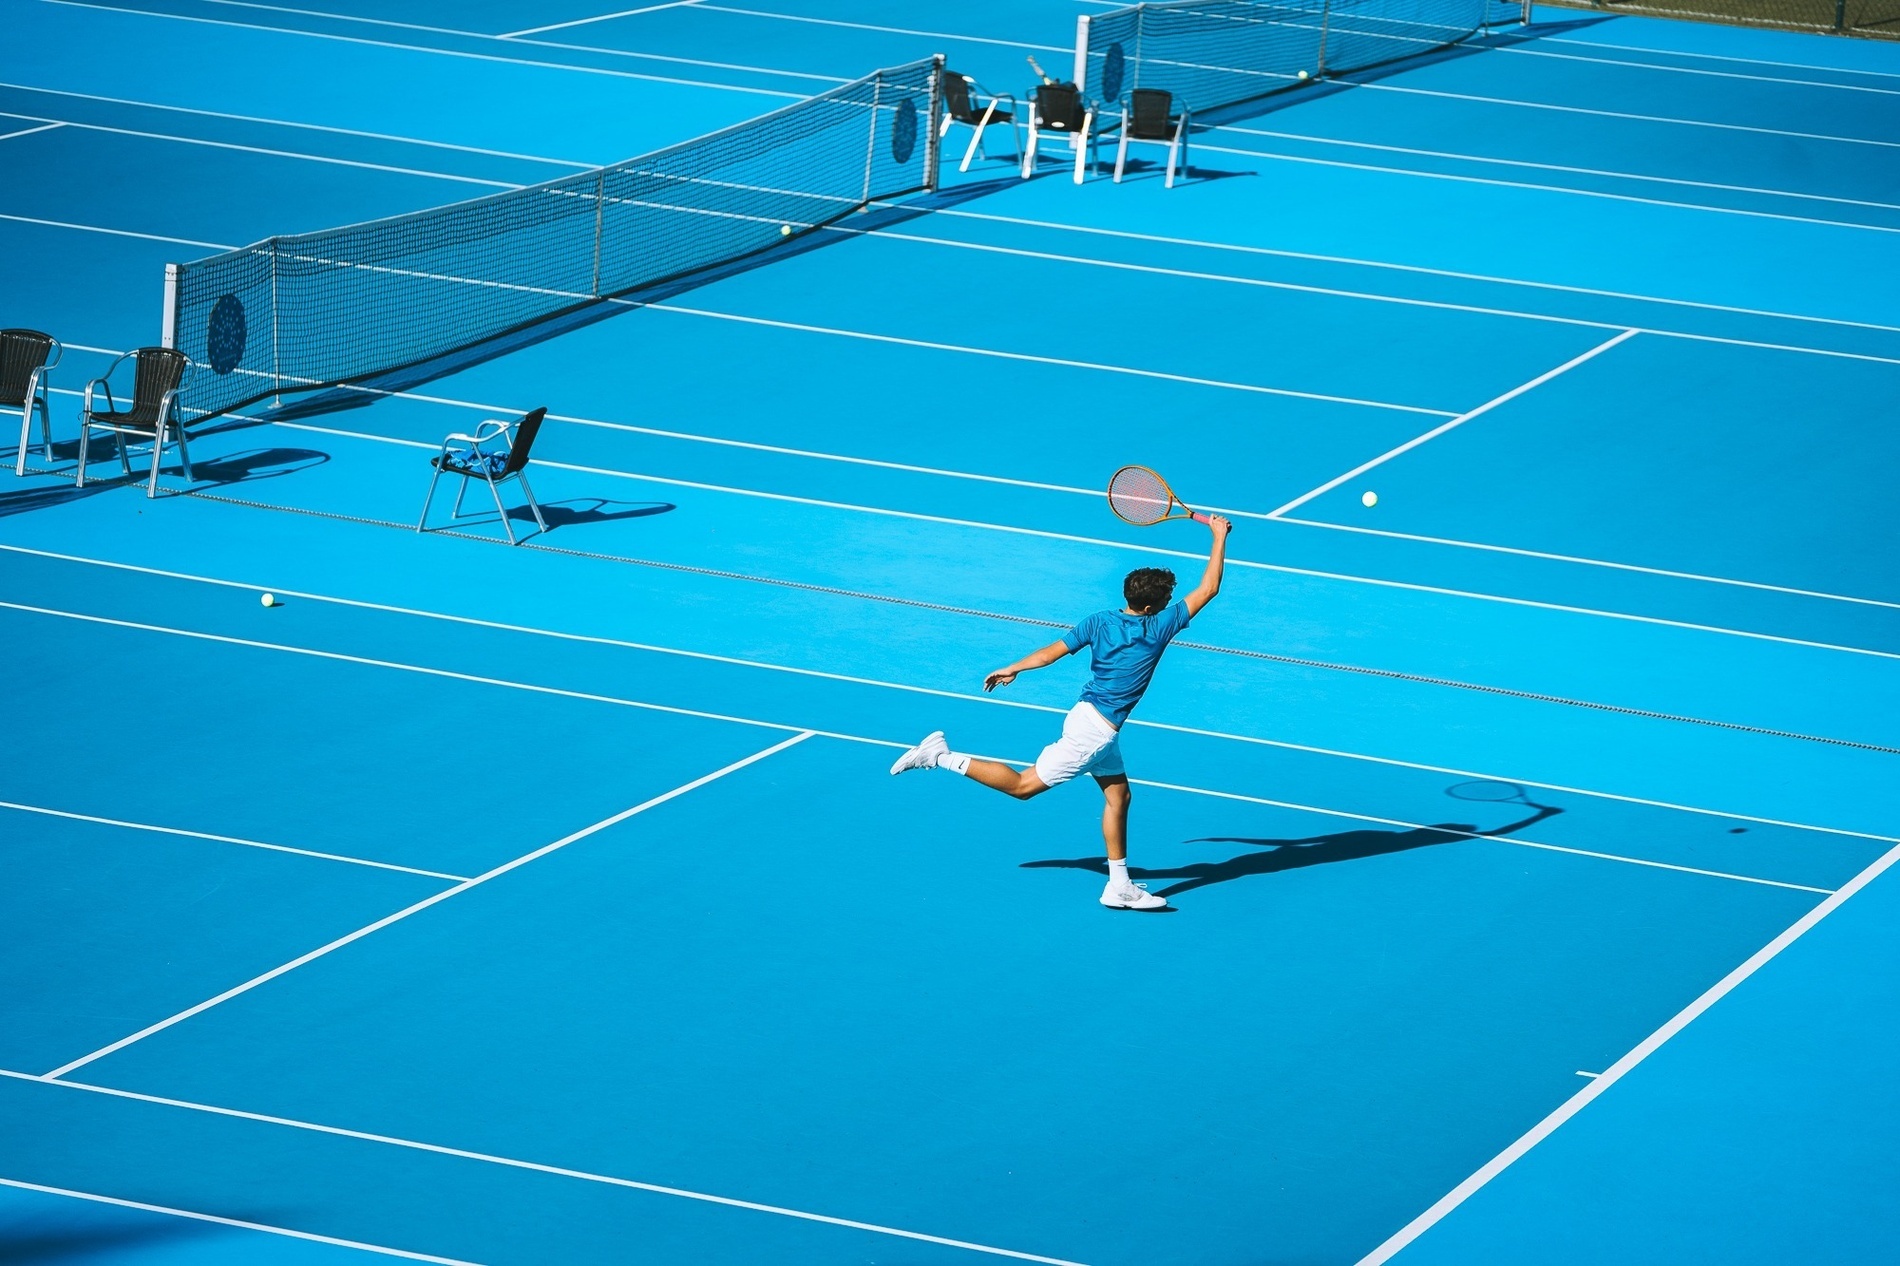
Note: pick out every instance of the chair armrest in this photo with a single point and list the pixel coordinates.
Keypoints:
(168, 410)
(59, 351)
(102, 385)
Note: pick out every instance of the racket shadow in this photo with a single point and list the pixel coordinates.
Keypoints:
(1272, 856)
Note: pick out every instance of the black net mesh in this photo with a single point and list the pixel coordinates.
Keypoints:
(320, 309)
(1216, 53)
(1879, 18)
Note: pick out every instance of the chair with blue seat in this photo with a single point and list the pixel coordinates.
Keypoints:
(151, 416)
(496, 453)
(27, 358)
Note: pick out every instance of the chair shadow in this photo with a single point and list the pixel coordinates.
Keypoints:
(1291, 854)
(1137, 169)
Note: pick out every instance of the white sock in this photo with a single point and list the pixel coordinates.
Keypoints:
(955, 762)
(1118, 872)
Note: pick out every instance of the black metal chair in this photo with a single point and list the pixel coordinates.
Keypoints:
(157, 375)
(494, 456)
(1059, 108)
(1148, 115)
(964, 102)
(26, 361)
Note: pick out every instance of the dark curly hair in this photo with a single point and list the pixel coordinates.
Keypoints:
(1148, 588)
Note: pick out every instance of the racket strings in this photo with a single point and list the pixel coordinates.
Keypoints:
(1139, 496)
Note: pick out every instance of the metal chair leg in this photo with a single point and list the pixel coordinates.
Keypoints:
(85, 436)
(158, 455)
(501, 509)
(532, 503)
(184, 451)
(1084, 143)
(455, 511)
(1121, 154)
(1029, 150)
(26, 430)
(1174, 147)
(424, 518)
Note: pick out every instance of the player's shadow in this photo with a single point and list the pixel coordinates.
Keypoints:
(1275, 855)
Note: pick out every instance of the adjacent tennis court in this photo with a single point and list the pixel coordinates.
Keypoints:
(552, 903)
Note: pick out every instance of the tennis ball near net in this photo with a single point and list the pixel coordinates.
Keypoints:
(784, 230)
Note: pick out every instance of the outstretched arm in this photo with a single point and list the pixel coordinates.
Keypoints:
(1216, 564)
(1035, 659)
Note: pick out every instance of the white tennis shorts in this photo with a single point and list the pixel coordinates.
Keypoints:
(1089, 745)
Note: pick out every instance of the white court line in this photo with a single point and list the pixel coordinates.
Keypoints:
(558, 1171)
(1101, 542)
(1581, 561)
(1623, 114)
(1693, 70)
(424, 904)
(574, 48)
(605, 17)
(1616, 1072)
(195, 1216)
(1455, 156)
(94, 228)
(887, 30)
(271, 153)
(14, 136)
(1271, 252)
(1060, 361)
(1718, 57)
(1460, 420)
(424, 48)
(224, 839)
(292, 123)
(1569, 190)
(619, 701)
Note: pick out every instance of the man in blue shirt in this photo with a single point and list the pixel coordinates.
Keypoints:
(1124, 647)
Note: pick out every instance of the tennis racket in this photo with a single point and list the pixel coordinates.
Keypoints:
(1040, 72)
(1139, 496)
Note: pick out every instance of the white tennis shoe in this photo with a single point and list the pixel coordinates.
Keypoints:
(1131, 896)
(923, 756)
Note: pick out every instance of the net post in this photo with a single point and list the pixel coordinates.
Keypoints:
(1525, 18)
(168, 328)
(600, 203)
(933, 144)
(870, 147)
(1081, 76)
(1325, 28)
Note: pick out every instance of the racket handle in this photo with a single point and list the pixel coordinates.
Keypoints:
(1198, 517)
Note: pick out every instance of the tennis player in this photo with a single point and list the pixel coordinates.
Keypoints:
(1124, 647)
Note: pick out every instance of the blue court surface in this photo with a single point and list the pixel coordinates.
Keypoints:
(553, 904)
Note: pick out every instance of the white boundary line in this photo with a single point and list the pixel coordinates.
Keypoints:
(1615, 1073)
(619, 701)
(292, 123)
(1605, 114)
(94, 228)
(510, 1162)
(573, 48)
(240, 1223)
(1693, 70)
(14, 136)
(605, 17)
(424, 904)
(225, 839)
(1460, 420)
(424, 48)
(1718, 57)
(1534, 186)
(1605, 173)
(1588, 562)
(887, 30)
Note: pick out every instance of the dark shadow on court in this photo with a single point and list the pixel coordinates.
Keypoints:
(253, 464)
(29, 1246)
(27, 500)
(579, 510)
(1275, 855)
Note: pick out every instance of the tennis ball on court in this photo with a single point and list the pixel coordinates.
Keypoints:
(784, 230)
(1302, 74)
(1368, 498)
(269, 599)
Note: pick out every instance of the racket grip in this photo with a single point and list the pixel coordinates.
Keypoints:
(1198, 517)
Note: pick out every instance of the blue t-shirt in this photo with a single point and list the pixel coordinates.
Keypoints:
(1125, 649)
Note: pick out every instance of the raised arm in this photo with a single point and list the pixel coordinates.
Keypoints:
(1216, 564)
(1035, 659)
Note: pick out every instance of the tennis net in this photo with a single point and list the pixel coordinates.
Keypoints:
(1216, 53)
(339, 306)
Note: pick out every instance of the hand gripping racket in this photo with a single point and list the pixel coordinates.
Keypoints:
(1139, 496)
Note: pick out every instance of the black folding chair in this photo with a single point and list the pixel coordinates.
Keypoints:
(1147, 115)
(26, 361)
(157, 375)
(494, 456)
(964, 102)
(1059, 108)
